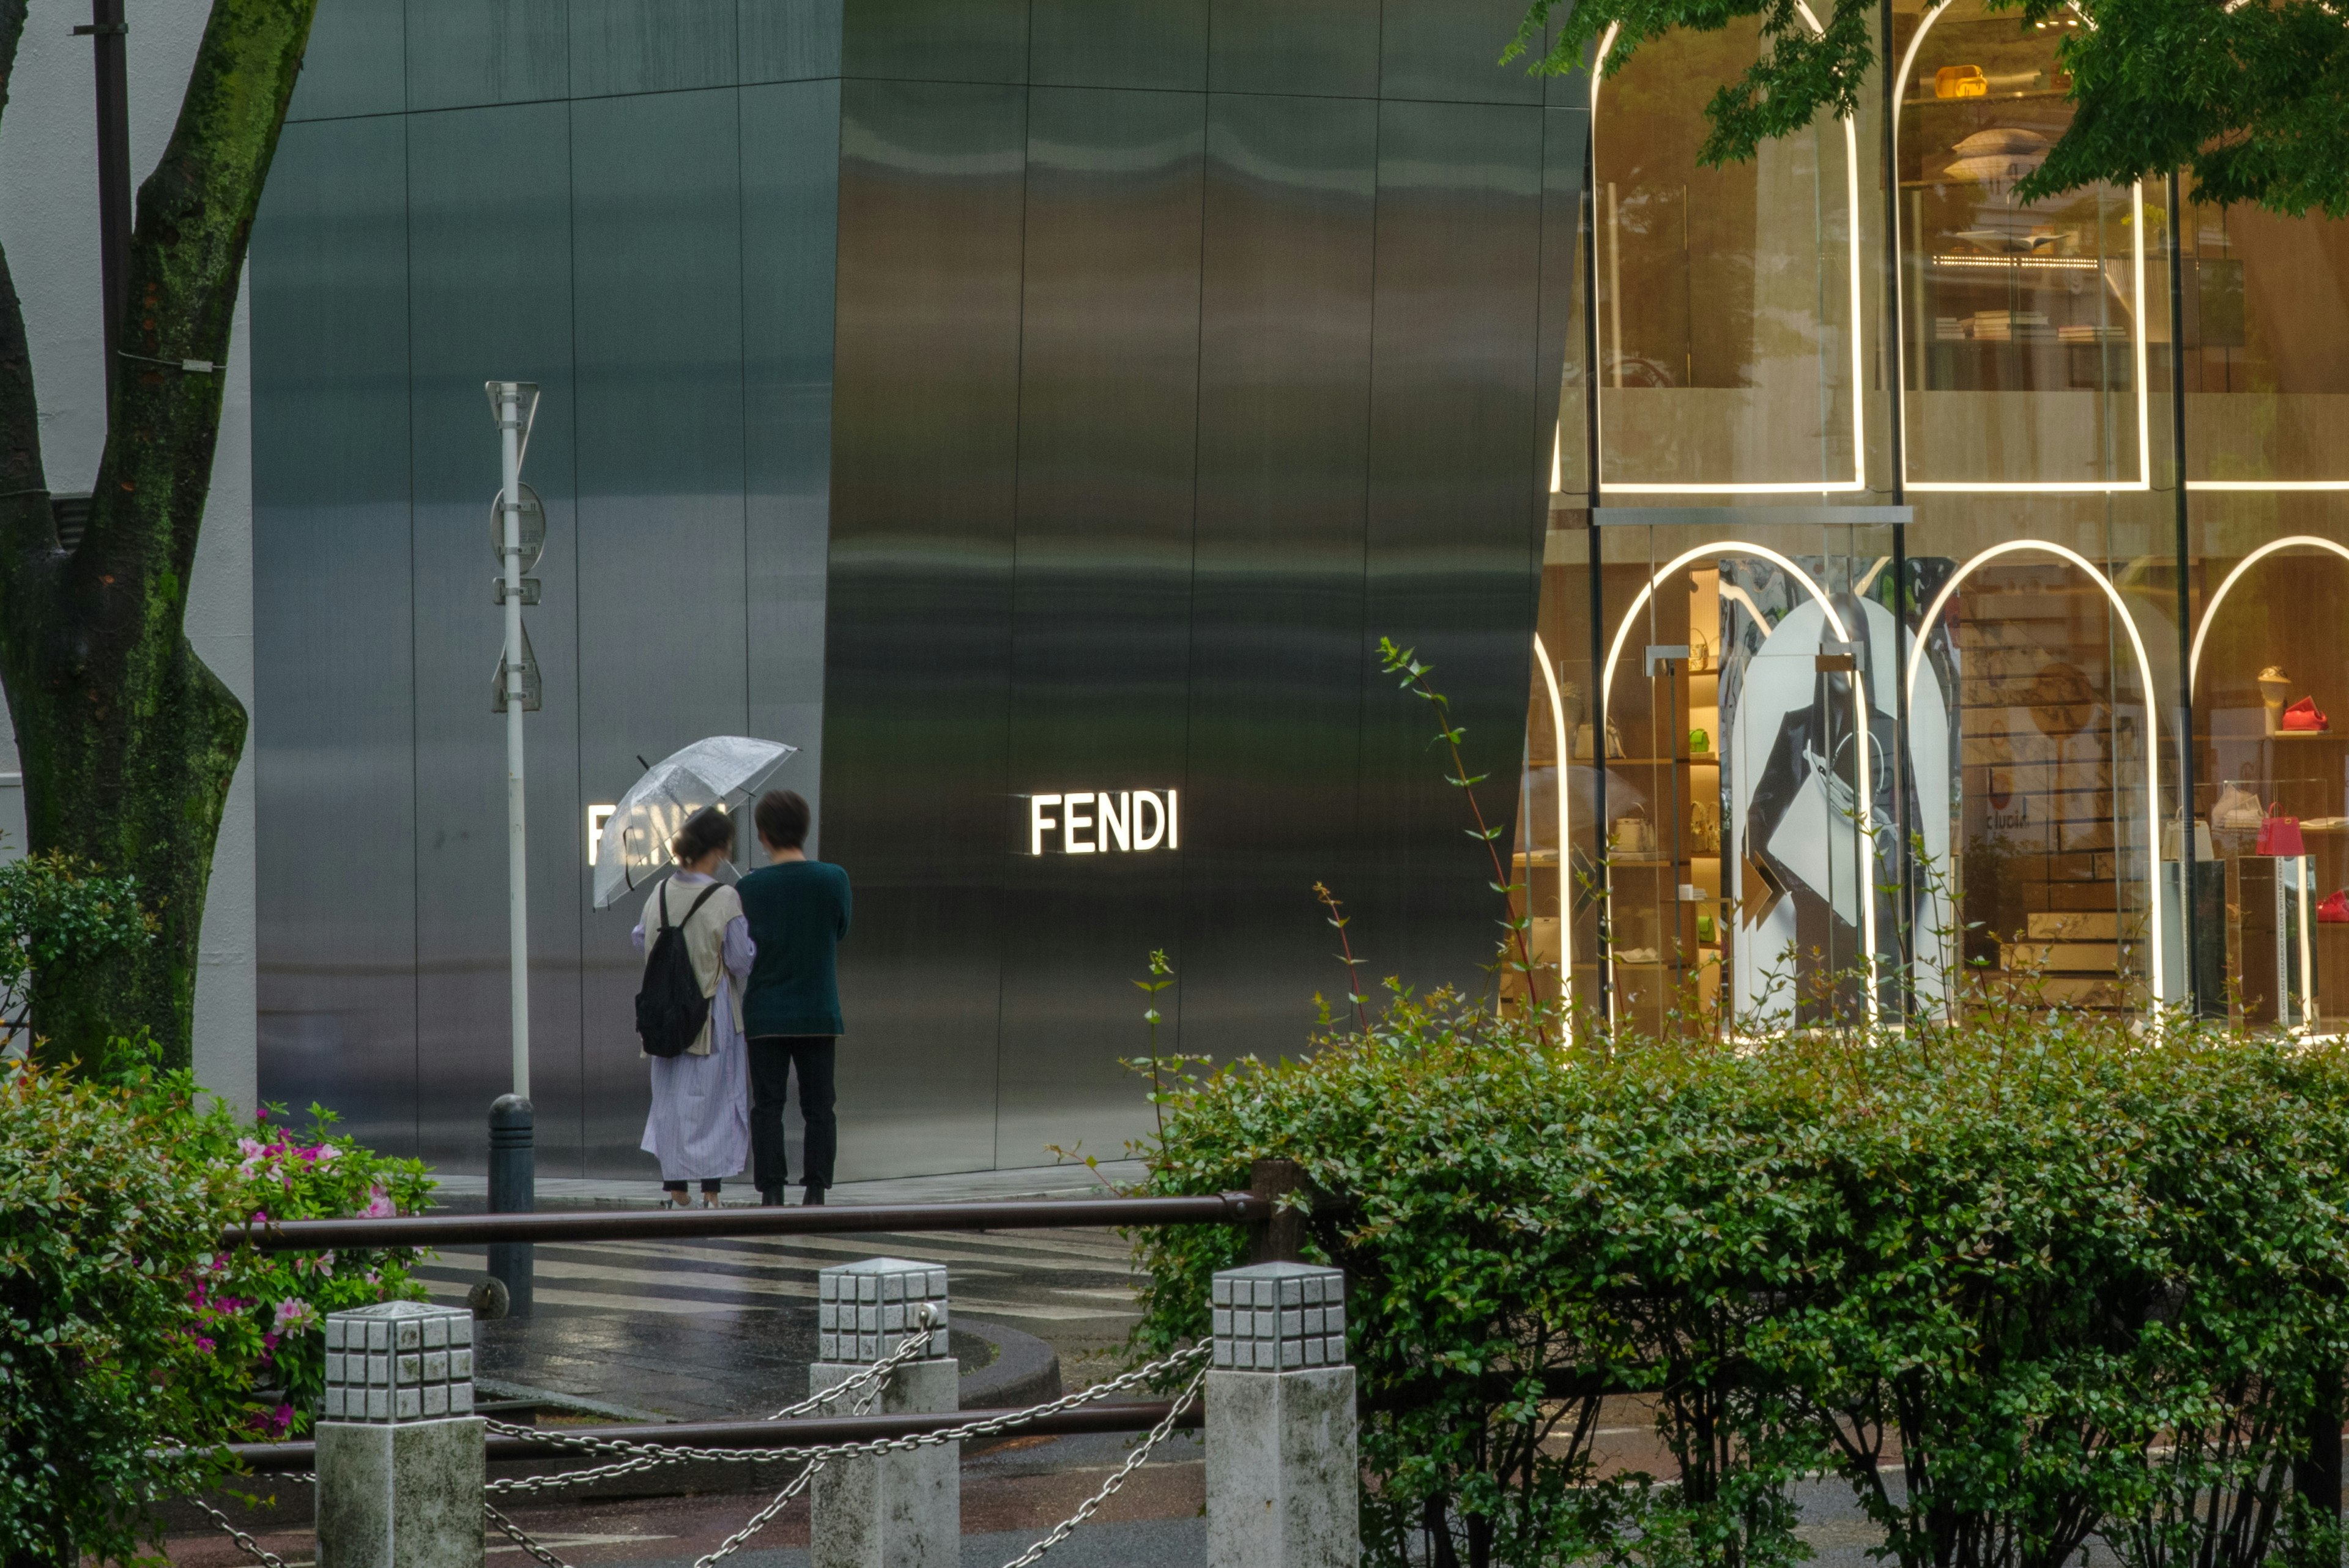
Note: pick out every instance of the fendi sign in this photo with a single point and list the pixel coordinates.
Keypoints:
(1098, 822)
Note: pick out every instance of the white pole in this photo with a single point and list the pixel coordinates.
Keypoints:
(517, 858)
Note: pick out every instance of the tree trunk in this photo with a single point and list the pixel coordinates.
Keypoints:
(128, 741)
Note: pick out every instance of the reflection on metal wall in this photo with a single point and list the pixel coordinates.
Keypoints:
(1079, 424)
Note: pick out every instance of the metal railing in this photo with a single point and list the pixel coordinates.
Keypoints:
(1255, 1208)
(1134, 1416)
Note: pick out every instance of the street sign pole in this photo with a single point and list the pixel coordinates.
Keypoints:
(513, 1157)
(517, 837)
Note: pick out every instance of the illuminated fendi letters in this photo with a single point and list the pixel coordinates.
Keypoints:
(1104, 821)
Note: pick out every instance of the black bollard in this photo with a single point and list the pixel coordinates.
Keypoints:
(514, 1184)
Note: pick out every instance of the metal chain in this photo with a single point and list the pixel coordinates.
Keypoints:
(1068, 1526)
(760, 1520)
(647, 1455)
(514, 1532)
(1010, 1420)
(253, 1549)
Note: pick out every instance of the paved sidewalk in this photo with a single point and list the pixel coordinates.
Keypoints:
(614, 1192)
(725, 1327)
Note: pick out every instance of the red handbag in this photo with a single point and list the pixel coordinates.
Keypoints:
(2280, 834)
(2302, 717)
(2334, 909)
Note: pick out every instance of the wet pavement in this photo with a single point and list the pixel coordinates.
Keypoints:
(725, 1327)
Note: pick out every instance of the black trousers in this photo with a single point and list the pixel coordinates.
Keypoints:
(773, 1059)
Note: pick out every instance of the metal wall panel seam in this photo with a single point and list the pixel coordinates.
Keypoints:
(1012, 626)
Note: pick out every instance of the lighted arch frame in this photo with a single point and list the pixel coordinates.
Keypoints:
(2143, 480)
(1865, 795)
(2210, 611)
(1564, 845)
(2144, 674)
(1858, 480)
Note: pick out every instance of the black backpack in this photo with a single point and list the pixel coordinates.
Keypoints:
(670, 1009)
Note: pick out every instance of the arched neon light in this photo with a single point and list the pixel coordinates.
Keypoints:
(1564, 845)
(2145, 674)
(2210, 611)
(2143, 480)
(1866, 793)
(1858, 480)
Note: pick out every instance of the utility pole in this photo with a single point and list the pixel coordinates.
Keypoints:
(518, 524)
(107, 33)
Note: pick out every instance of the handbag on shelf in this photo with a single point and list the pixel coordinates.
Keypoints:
(2280, 834)
(2334, 909)
(1635, 836)
(2171, 837)
(2236, 810)
(2303, 718)
(1583, 742)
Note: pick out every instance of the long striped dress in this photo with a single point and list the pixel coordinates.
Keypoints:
(700, 1125)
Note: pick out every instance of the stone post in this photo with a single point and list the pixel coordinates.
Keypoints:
(1283, 1482)
(400, 1463)
(895, 1510)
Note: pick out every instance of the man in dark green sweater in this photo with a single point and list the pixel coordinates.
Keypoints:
(798, 909)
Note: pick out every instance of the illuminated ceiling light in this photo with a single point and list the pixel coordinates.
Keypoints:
(2145, 675)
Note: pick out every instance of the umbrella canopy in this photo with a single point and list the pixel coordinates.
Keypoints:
(633, 848)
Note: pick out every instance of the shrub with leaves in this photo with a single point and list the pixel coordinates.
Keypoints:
(58, 914)
(130, 1346)
(2074, 1280)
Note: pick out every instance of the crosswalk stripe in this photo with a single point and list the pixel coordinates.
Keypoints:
(754, 1265)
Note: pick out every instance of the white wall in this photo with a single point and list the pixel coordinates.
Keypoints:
(49, 225)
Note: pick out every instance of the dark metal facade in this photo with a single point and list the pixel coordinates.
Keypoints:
(988, 396)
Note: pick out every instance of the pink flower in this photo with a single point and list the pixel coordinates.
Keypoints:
(380, 1207)
(249, 1148)
(295, 1315)
(327, 1154)
(203, 1344)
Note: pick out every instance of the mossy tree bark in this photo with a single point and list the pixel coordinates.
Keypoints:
(128, 741)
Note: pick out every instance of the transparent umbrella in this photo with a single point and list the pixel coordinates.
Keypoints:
(632, 848)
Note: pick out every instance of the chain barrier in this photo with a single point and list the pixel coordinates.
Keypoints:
(651, 1456)
(253, 1548)
(866, 1386)
(1158, 1434)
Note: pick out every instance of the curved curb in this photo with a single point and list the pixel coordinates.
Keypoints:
(1025, 1371)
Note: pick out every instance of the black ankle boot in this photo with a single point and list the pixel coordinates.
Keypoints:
(772, 1196)
(812, 1197)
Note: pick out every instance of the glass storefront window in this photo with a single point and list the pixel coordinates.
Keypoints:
(2024, 330)
(2265, 309)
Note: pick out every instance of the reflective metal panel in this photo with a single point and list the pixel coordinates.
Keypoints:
(1455, 510)
(1328, 47)
(1277, 666)
(917, 637)
(1101, 617)
(332, 629)
(657, 253)
(789, 40)
(650, 46)
(1083, 43)
(1452, 49)
(936, 40)
(464, 52)
(489, 198)
(790, 204)
(355, 62)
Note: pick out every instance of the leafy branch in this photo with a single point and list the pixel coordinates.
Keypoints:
(1340, 920)
(1395, 660)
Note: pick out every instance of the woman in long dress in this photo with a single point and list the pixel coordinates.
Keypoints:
(699, 1128)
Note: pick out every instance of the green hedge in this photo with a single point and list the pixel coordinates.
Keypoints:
(2068, 1279)
(129, 1346)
